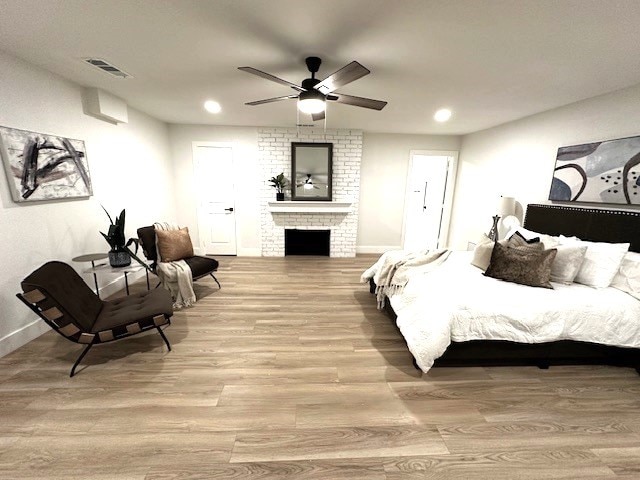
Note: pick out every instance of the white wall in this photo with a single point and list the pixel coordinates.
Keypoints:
(129, 166)
(383, 179)
(517, 159)
(247, 179)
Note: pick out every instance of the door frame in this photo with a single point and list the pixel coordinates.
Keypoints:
(194, 146)
(447, 206)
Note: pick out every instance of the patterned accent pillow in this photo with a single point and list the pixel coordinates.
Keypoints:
(174, 245)
(518, 239)
(524, 245)
(484, 248)
(523, 267)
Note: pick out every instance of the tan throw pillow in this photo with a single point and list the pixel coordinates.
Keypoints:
(526, 268)
(174, 245)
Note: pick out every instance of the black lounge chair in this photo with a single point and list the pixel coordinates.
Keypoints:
(59, 296)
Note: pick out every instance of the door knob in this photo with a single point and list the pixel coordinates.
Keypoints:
(228, 209)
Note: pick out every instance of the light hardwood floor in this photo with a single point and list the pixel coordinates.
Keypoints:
(290, 372)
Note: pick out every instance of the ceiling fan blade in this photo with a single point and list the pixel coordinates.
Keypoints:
(317, 116)
(273, 78)
(342, 77)
(270, 100)
(357, 101)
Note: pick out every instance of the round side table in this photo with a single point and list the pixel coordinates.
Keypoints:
(93, 258)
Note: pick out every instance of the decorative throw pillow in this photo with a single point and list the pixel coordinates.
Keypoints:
(525, 268)
(567, 263)
(174, 245)
(601, 263)
(523, 245)
(548, 240)
(628, 277)
(484, 248)
(482, 253)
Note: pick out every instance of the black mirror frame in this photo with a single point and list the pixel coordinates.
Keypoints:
(329, 148)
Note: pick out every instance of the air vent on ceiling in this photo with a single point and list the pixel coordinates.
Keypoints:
(107, 67)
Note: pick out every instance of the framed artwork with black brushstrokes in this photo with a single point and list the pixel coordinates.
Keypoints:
(42, 167)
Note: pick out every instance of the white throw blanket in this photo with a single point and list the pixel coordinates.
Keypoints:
(176, 277)
(392, 270)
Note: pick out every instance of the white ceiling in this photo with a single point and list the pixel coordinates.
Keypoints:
(490, 61)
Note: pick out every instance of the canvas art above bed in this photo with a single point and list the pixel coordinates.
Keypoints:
(600, 172)
(44, 167)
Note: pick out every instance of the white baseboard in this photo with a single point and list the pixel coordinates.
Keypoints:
(22, 336)
(376, 248)
(37, 327)
(249, 252)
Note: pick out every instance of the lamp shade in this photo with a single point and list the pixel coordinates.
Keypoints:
(506, 206)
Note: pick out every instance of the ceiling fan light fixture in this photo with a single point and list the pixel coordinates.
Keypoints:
(311, 102)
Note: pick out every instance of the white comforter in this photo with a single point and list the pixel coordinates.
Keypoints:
(456, 302)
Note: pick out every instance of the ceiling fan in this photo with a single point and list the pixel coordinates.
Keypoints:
(314, 93)
(307, 184)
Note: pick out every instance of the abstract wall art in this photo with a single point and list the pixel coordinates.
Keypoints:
(44, 167)
(600, 172)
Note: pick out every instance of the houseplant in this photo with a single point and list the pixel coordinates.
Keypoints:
(120, 255)
(279, 183)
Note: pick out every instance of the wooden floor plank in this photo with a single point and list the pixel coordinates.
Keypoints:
(290, 372)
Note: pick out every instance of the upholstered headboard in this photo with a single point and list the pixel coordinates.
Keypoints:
(596, 225)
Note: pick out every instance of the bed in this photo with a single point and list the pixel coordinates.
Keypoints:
(595, 326)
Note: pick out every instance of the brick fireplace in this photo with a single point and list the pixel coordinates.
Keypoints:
(339, 216)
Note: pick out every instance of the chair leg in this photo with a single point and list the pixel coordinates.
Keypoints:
(84, 352)
(164, 337)
(214, 277)
(159, 283)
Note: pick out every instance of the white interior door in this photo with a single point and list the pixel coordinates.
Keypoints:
(427, 202)
(214, 176)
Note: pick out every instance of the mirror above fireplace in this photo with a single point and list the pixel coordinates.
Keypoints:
(311, 166)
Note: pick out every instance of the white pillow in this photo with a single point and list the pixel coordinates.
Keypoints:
(628, 277)
(601, 263)
(567, 263)
(482, 253)
(548, 240)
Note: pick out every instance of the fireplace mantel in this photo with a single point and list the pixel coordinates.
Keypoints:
(309, 207)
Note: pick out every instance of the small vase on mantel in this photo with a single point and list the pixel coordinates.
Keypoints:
(280, 196)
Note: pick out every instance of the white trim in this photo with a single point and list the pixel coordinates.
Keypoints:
(249, 252)
(194, 145)
(376, 248)
(447, 206)
(309, 207)
(23, 335)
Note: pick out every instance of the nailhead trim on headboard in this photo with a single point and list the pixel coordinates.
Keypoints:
(594, 224)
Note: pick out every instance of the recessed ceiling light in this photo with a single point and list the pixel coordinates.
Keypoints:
(212, 107)
(442, 115)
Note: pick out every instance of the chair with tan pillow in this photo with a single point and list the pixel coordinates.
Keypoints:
(175, 245)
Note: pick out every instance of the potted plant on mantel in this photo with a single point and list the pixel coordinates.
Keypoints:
(279, 183)
(120, 255)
